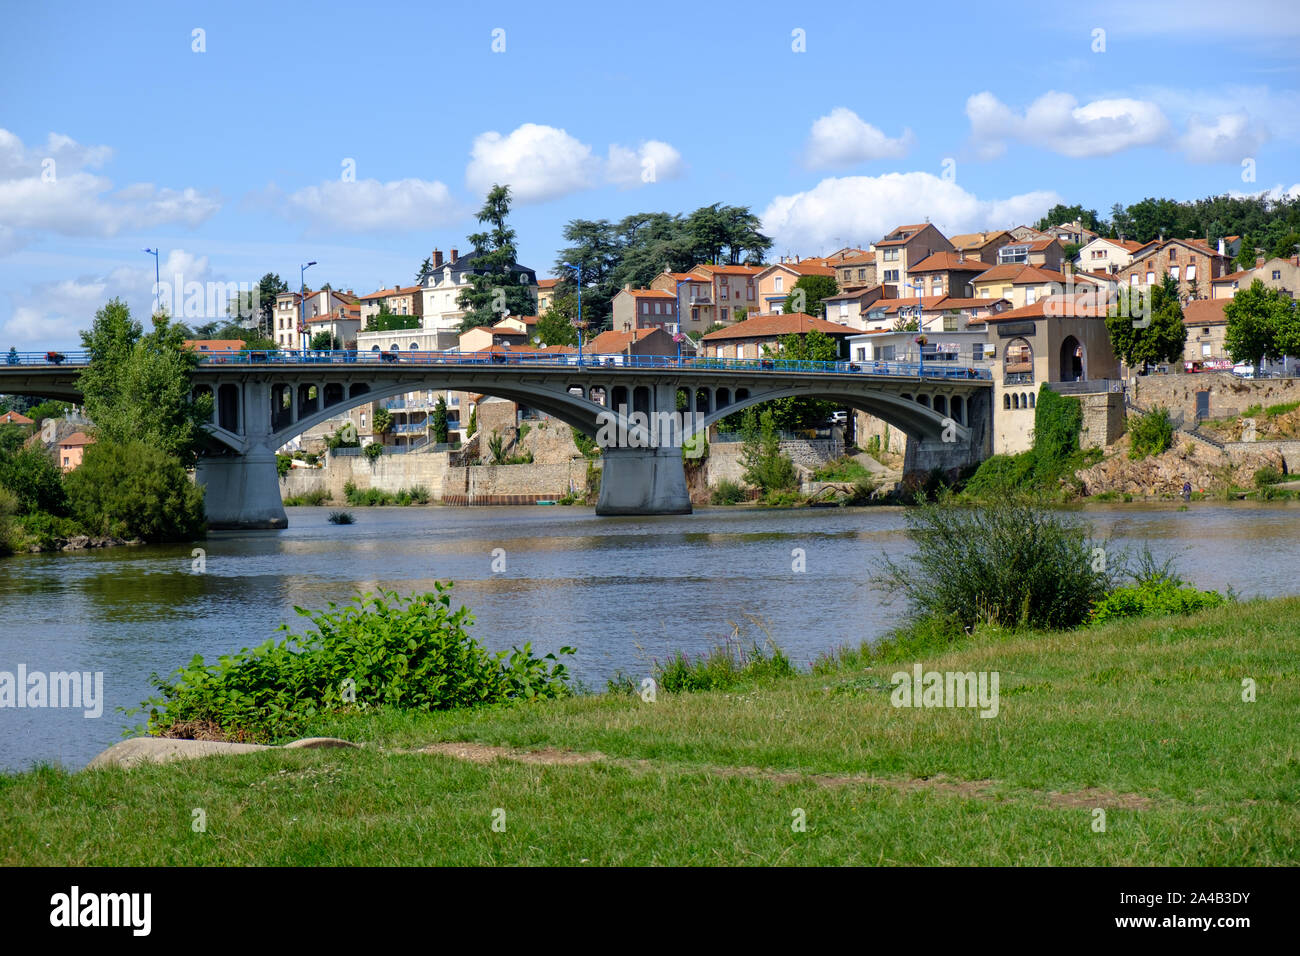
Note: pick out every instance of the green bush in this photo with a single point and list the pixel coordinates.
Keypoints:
(379, 650)
(419, 494)
(1047, 469)
(1273, 411)
(765, 465)
(283, 464)
(35, 480)
(727, 492)
(135, 491)
(1151, 434)
(1154, 598)
(1007, 563)
(374, 450)
(46, 531)
(1268, 475)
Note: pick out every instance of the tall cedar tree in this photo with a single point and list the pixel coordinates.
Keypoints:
(493, 288)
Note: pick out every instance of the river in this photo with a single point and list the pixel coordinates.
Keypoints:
(623, 591)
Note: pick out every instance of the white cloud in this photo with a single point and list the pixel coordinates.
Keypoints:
(51, 314)
(1057, 122)
(842, 138)
(1277, 192)
(1228, 139)
(538, 162)
(542, 162)
(49, 190)
(368, 205)
(653, 161)
(1204, 19)
(858, 210)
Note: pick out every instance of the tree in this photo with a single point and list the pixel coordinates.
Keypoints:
(494, 286)
(325, 341)
(1061, 213)
(1262, 323)
(31, 475)
(1162, 338)
(268, 287)
(555, 328)
(1287, 246)
(382, 421)
(794, 413)
(386, 320)
(760, 455)
(439, 426)
(137, 385)
(425, 268)
(1246, 257)
(135, 490)
(807, 293)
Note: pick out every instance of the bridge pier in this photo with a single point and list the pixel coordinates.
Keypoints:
(643, 481)
(242, 492)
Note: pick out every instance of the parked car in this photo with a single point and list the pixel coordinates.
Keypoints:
(1243, 370)
(840, 418)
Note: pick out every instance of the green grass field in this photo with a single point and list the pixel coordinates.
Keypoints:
(1144, 720)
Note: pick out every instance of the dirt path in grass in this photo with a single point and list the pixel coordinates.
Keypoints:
(1090, 797)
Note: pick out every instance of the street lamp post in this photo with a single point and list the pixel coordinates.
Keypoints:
(302, 298)
(679, 319)
(157, 281)
(578, 274)
(918, 285)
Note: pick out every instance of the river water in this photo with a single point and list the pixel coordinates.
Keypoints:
(623, 591)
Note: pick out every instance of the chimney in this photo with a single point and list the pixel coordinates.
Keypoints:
(437, 258)
(627, 287)
(453, 258)
(1259, 262)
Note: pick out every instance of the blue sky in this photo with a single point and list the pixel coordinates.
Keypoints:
(234, 160)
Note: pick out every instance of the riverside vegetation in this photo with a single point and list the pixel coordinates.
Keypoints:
(1132, 706)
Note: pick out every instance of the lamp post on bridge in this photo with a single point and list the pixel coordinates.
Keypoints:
(157, 281)
(918, 285)
(302, 298)
(580, 324)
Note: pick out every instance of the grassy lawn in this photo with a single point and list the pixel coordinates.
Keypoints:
(1144, 720)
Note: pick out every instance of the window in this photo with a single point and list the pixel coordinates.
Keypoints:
(777, 283)
(1031, 399)
(1031, 295)
(950, 323)
(1277, 273)
(1006, 402)
(887, 353)
(1191, 272)
(1173, 255)
(1206, 351)
(844, 309)
(936, 286)
(695, 313)
(891, 275)
(1151, 278)
(1134, 278)
(890, 255)
(861, 353)
(725, 313)
(1173, 273)
(862, 274)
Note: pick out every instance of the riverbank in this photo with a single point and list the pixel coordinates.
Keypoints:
(1143, 720)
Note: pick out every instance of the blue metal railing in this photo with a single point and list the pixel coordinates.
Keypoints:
(507, 358)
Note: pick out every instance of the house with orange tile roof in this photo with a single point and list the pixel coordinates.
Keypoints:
(293, 310)
(646, 309)
(776, 281)
(1019, 284)
(546, 294)
(219, 348)
(905, 246)
(856, 272)
(748, 339)
(1207, 327)
(694, 294)
(610, 345)
(734, 290)
(15, 418)
(947, 273)
(1192, 263)
(71, 450)
(1047, 253)
(1276, 273)
(850, 308)
(981, 245)
(1106, 255)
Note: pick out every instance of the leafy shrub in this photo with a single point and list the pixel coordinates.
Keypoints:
(1273, 411)
(341, 517)
(35, 480)
(1052, 460)
(1268, 475)
(379, 650)
(1151, 434)
(283, 464)
(760, 455)
(135, 491)
(862, 492)
(46, 531)
(727, 492)
(374, 450)
(1154, 598)
(585, 444)
(1008, 564)
(419, 494)
(496, 448)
